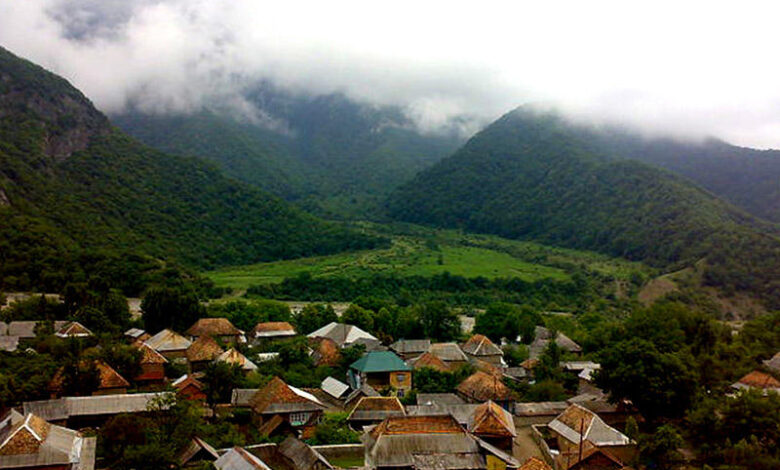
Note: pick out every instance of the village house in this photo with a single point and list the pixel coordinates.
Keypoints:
(336, 389)
(580, 439)
(410, 348)
(481, 387)
(73, 329)
(202, 352)
(479, 347)
(152, 364)
(381, 370)
(355, 395)
(279, 408)
(274, 330)
(218, 328)
(29, 442)
(430, 442)
(342, 334)
(170, 344)
(81, 412)
(374, 410)
(189, 388)
(109, 381)
(488, 421)
(758, 380)
(494, 425)
(543, 336)
(450, 353)
(429, 360)
(233, 357)
(136, 334)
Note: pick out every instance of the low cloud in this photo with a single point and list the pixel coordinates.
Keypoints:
(691, 69)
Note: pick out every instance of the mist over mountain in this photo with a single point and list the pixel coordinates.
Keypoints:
(330, 154)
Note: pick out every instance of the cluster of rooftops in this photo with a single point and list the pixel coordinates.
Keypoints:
(474, 428)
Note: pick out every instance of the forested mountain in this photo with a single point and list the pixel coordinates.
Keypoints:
(531, 174)
(70, 181)
(328, 153)
(746, 177)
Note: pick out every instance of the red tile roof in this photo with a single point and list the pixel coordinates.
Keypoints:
(758, 379)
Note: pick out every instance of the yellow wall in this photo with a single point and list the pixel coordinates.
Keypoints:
(494, 463)
(405, 384)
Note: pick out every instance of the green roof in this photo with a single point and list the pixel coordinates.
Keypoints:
(380, 361)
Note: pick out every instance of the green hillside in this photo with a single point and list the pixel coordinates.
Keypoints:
(329, 154)
(532, 175)
(69, 181)
(746, 177)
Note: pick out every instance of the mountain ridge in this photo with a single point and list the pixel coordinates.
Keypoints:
(74, 182)
(533, 175)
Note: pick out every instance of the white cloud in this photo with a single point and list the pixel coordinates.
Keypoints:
(689, 68)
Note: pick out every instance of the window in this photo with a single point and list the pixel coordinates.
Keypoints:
(400, 393)
(401, 377)
(297, 419)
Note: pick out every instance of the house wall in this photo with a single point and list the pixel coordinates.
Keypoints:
(494, 463)
(401, 380)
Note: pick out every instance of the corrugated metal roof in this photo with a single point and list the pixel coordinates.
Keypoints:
(63, 408)
(333, 387)
(239, 459)
(301, 454)
(341, 333)
(411, 346)
(439, 399)
(448, 352)
(168, 340)
(9, 343)
(242, 396)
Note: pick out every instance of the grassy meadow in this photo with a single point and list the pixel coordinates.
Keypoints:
(420, 251)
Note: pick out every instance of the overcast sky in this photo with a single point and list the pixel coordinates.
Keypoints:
(693, 68)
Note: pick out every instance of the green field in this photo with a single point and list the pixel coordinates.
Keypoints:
(425, 252)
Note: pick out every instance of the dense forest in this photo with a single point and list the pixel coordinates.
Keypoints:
(71, 182)
(742, 176)
(533, 175)
(332, 155)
